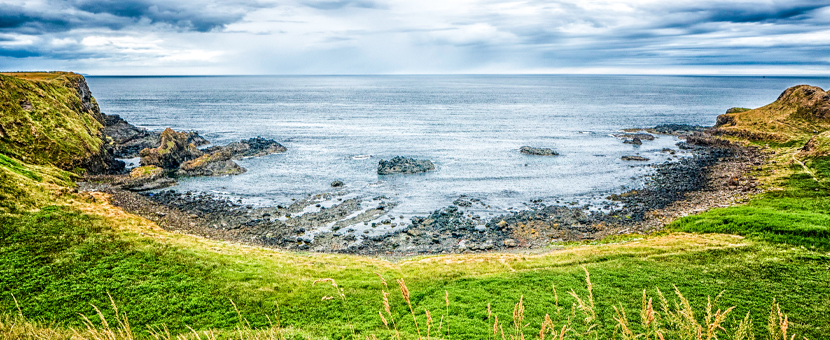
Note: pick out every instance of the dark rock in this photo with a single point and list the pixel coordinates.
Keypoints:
(635, 141)
(634, 158)
(404, 165)
(641, 136)
(672, 129)
(537, 151)
(337, 184)
(254, 147)
(125, 140)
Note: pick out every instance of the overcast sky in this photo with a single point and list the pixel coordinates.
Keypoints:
(415, 36)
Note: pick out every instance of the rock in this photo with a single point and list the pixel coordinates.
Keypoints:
(126, 140)
(537, 151)
(509, 242)
(641, 136)
(673, 129)
(634, 158)
(173, 151)
(337, 184)
(254, 147)
(147, 178)
(635, 141)
(214, 164)
(404, 165)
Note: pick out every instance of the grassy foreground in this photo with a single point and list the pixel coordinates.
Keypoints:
(60, 261)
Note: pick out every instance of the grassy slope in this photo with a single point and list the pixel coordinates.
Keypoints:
(797, 214)
(60, 259)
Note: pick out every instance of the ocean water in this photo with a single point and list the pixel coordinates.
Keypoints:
(471, 127)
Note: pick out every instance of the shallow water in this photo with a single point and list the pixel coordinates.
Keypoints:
(471, 127)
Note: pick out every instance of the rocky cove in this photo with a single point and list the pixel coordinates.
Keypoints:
(713, 173)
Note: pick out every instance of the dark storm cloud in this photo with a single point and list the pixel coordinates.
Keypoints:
(61, 16)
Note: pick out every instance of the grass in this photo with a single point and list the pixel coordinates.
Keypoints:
(59, 260)
(795, 214)
(25, 187)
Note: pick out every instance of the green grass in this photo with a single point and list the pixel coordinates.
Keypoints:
(26, 187)
(799, 214)
(58, 261)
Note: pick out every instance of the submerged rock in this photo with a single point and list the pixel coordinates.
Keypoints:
(634, 158)
(337, 184)
(173, 151)
(640, 136)
(528, 150)
(404, 165)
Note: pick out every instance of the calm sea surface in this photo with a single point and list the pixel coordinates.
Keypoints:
(471, 127)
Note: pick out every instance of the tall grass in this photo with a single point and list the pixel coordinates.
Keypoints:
(658, 319)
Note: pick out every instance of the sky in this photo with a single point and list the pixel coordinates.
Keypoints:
(214, 37)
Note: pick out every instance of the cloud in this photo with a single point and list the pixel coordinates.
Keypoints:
(425, 36)
(339, 4)
(64, 15)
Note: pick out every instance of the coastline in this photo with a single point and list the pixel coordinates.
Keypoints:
(712, 177)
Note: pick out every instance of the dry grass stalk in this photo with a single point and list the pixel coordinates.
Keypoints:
(405, 293)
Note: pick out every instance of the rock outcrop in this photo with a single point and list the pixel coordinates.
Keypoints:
(173, 151)
(254, 147)
(212, 164)
(126, 140)
(528, 150)
(634, 158)
(404, 165)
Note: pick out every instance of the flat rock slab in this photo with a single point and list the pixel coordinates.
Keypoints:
(634, 158)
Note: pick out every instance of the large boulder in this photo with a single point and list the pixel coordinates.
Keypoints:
(212, 164)
(174, 149)
(404, 165)
(528, 150)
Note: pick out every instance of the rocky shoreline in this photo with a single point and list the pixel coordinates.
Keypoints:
(715, 175)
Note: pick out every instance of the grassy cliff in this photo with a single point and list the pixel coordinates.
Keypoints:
(50, 119)
(49, 124)
(799, 113)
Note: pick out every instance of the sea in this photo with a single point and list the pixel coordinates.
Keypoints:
(337, 128)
